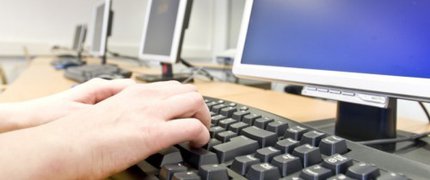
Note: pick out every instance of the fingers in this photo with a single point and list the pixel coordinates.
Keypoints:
(185, 105)
(163, 89)
(184, 130)
(97, 90)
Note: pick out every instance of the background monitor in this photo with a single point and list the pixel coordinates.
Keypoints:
(163, 30)
(367, 52)
(79, 38)
(101, 27)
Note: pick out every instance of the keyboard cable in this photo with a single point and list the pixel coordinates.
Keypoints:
(425, 110)
(395, 140)
(196, 71)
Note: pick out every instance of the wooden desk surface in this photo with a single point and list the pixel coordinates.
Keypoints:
(40, 79)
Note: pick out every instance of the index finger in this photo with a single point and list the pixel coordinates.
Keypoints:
(187, 105)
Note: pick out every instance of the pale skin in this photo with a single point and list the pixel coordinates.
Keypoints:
(98, 132)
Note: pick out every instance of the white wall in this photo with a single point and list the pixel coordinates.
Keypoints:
(39, 24)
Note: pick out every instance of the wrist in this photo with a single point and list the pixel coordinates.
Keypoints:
(14, 116)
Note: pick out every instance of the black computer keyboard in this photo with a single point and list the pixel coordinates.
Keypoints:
(107, 71)
(247, 143)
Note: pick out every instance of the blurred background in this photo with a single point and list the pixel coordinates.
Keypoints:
(31, 28)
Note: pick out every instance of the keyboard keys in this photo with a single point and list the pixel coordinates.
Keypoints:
(287, 164)
(237, 127)
(278, 127)
(168, 170)
(237, 146)
(226, 122)
(264, 138)
(267, 154)
(309, 155)
(190, 175)
(363, 171)
(213, 171)
(312, 137)
(238, 115)
(287, 145)
(167, 156)
(232, 104)
(295, 132)
(241, 164)
(337, 163)
(333, 145)
(261, 147)
(212, 142)
(217, 108)
(244, 108)
(213, 131)
(263, 171)
(228, 111)
(212, 104)
(340, 177)
(197, 157)
(250, 118)
(225, 136)
(215, 119)
(262, 122)
(315, 172)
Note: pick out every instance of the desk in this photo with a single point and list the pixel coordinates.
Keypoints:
(40, 79)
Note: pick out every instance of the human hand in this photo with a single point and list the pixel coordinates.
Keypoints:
(128, 127)
(40, 111)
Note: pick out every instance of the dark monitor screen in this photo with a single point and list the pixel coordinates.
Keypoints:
(161, 26)
(382, 37)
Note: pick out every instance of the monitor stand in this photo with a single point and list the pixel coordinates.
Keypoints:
(166, 75)
(363, 123)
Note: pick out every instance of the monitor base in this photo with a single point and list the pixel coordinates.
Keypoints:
(415, 150)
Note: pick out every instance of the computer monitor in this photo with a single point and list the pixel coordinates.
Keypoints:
(79, 38)
(102, 26)
(65, 61)
(163, 33)
(363, 53)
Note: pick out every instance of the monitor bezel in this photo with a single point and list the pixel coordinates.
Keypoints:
(393, 86)
(179, 28)
(105, 27)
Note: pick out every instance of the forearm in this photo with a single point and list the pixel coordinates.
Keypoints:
(13, 116)
(35, 153)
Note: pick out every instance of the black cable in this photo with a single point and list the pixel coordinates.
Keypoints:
(425, 110)
(394, 140)
(204, 71)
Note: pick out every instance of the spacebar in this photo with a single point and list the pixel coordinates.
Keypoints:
(237, 146)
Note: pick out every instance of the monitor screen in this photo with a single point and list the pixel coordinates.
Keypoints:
(79, 38)
(100, 27)
(162, 31)
(371, 45)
